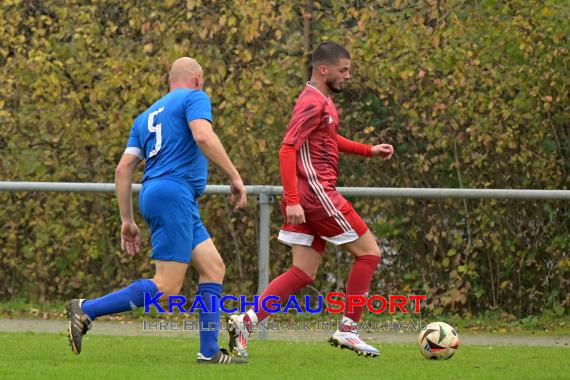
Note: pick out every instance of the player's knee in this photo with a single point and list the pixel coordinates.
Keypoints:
(214, 272)
(376, 251)
(368, 250)
(219, 271)
(169, 287)
(312, 275)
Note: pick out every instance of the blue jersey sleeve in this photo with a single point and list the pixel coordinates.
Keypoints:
(134, 138)
(134, 146)
(198, 106)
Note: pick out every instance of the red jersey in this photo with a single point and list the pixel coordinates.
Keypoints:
(312, 132)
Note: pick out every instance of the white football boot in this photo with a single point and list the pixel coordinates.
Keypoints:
(239, 335)
(347, 337)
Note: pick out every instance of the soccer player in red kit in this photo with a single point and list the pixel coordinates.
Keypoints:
(315, 213)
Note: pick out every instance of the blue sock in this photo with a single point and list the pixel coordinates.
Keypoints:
(210, 293)
(128, 298)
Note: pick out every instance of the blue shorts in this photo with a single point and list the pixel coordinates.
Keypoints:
(171, 211)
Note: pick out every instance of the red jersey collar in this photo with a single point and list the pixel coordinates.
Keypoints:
(317, 91)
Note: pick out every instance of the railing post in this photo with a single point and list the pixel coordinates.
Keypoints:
(265, 205)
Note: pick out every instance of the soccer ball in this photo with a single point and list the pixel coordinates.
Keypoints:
(438, 341)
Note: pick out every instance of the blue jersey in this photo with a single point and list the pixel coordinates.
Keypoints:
(161, 135)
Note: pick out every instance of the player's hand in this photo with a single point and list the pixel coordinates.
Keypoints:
(239, 193)
(295, 214)
(130, 238)
(383, 150)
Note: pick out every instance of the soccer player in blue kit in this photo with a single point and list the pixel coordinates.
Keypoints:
(176, 139)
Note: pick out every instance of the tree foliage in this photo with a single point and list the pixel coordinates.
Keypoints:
(471, 95)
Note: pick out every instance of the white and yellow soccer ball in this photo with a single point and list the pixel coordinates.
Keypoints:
(438, 341)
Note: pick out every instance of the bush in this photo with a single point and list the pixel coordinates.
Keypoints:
(472, 96)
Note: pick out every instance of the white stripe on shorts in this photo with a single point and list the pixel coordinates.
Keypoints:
(295, 238)
(344, 238)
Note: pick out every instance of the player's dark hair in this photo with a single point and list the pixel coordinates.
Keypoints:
(328, 52)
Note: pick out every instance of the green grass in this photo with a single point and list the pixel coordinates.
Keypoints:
(47, 356)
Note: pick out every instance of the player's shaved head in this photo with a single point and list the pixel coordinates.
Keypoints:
(185, 70)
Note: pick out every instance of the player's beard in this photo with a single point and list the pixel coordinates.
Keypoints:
(331, 85)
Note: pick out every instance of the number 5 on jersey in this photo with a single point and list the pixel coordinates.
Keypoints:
(155, 129)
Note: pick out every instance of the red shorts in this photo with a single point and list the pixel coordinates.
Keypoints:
(342, 228)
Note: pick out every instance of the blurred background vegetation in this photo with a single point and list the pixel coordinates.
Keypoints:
(472, 94)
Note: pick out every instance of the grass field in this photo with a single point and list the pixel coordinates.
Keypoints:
(47, 356)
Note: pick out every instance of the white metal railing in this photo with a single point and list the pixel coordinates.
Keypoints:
(385, 192)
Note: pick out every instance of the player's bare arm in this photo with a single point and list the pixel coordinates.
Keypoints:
(212, 147)
(130, 236)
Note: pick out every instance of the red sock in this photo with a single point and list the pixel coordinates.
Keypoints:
(359, 281)
(288, 284)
